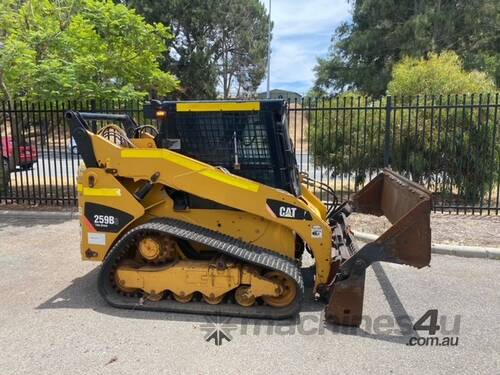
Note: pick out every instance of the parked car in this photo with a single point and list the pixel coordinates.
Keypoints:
(28, 154)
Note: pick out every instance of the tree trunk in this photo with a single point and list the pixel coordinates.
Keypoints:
(435, 27)
(4, 88)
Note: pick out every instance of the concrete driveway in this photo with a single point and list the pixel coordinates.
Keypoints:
(52, 320)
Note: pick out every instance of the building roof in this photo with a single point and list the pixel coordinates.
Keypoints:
(288, 92)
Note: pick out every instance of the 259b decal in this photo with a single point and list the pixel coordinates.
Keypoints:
(106, 219)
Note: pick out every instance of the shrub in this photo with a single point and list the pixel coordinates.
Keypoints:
(442, 135)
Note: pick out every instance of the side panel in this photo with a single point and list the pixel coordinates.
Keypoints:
(107, 209)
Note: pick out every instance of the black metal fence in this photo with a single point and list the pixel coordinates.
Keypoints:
(450, 144)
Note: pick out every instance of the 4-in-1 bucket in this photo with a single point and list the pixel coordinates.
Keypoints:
(407, 206)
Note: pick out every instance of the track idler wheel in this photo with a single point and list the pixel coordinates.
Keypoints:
(212, 300)
(157, 249)
(149, 248)
(288, 290)
(183, 298)
(244, 297)
(154, 297)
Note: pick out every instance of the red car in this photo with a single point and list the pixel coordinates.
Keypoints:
(27, 154)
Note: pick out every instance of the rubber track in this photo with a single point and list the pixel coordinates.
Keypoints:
(229, 246)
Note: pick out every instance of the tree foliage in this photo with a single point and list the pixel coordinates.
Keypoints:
(383, 32)
(437, 75)
(441, 133)
(79, 49)
(218, 44)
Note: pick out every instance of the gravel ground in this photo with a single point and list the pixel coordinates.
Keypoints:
(54, 321)
(446, 228)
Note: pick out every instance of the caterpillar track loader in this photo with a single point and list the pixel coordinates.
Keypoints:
(208, 214)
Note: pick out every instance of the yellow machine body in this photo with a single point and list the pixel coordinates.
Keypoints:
(252, 221)
(243, 244)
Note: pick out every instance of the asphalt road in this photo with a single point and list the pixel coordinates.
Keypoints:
(53, 321)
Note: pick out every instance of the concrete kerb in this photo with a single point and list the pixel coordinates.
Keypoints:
(457, 250)
(32, 214)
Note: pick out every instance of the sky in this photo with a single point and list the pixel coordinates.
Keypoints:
(302, 32)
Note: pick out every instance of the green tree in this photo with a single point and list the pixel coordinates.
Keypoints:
(442, 74)
(79, 50)
(442, 131)
(218, 44)
(242, 29)
(456, 148)
(383, 32)
(346, 134)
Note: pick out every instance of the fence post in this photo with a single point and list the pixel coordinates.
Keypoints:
(4, 175)
(4, 167)
(93, 109)
(387, 133)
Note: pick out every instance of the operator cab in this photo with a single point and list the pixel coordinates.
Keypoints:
(246, 138)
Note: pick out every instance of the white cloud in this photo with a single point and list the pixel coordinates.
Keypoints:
(302, 32)
(292, 17)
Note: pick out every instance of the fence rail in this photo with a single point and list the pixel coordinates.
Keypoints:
(450, 144)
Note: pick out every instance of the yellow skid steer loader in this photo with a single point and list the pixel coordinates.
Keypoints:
(208, 214)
